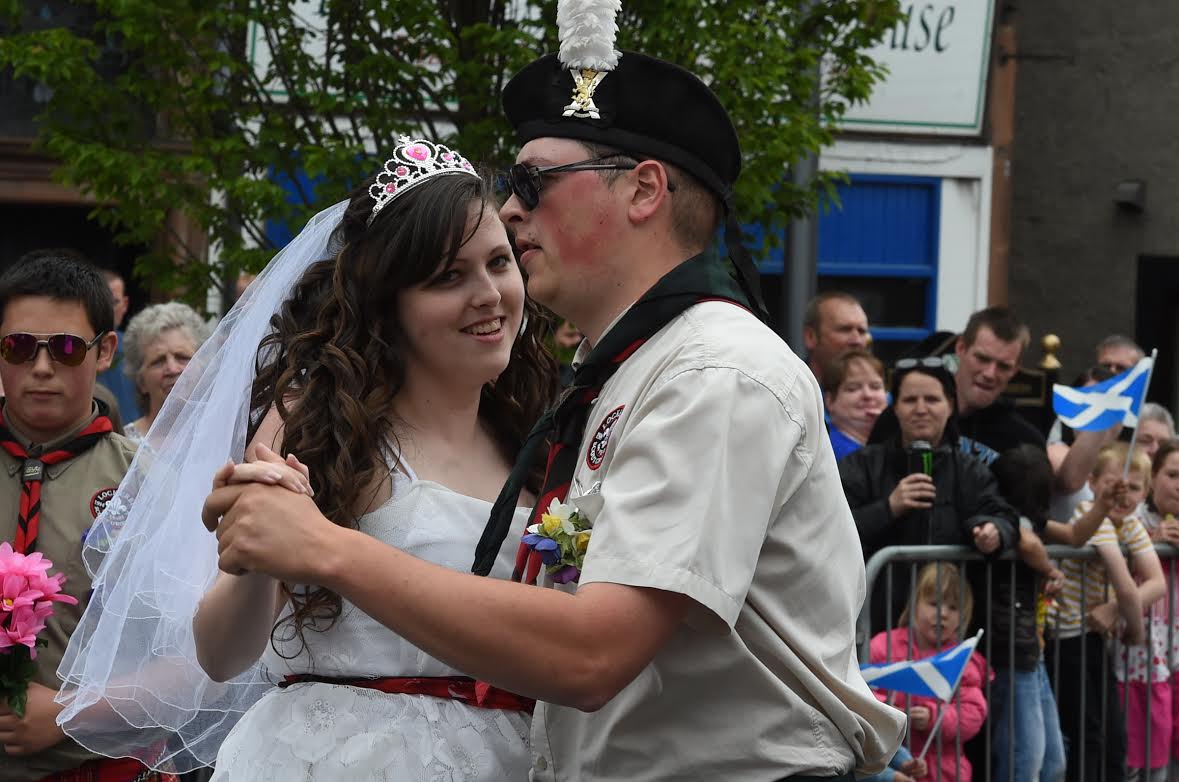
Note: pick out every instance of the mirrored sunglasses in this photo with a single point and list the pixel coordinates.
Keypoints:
(68, 349)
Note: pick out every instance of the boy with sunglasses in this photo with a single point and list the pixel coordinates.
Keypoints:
(60, 462)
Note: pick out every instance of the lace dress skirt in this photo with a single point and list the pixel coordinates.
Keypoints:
(319, 732)
(334, 732)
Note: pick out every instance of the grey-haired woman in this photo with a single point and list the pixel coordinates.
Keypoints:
(160, 342)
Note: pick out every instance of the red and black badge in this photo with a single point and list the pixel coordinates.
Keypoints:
(100, 500)
(601, 439)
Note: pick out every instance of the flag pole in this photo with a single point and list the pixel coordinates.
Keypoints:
(933, 731)
(1134, 437)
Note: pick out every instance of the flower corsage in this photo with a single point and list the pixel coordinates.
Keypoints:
(561, 538)
(27, 596)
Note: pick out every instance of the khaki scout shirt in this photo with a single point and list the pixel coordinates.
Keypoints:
(72, 495)
(706, 470)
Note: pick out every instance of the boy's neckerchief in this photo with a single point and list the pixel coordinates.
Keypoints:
(700, 278)
(33, 471)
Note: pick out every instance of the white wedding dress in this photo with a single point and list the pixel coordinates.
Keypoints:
(318, 732)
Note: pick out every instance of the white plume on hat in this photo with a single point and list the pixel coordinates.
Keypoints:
(587, 30)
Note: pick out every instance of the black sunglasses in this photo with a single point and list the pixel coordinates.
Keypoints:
(524, 181)
(69, 349)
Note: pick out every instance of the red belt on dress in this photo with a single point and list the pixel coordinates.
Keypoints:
(111, 770)
(455, 688)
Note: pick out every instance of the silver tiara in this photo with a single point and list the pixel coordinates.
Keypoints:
(414, 161)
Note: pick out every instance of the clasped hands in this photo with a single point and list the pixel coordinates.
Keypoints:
(264, 518)
(917, 492)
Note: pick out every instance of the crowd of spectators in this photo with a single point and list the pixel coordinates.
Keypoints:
(946, 458)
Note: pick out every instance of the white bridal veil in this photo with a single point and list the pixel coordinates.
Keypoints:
(132, 685)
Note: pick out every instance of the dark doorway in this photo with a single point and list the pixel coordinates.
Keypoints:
(26, 227)
(1156, 323)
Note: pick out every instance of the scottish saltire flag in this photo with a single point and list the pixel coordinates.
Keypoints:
(933, 677)
(1109, 403)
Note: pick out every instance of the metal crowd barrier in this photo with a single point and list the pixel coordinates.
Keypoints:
(885, 562)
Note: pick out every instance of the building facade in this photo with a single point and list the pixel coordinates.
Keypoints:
(1095, 172)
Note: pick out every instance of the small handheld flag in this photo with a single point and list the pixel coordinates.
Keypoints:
(1106, 404)
(934, 677)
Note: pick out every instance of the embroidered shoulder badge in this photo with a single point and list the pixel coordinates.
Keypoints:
(601, 439)
(100, 500)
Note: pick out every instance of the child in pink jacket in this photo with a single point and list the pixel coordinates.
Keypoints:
(941, 604)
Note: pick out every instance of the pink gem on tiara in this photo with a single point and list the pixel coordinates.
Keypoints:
(414, 161)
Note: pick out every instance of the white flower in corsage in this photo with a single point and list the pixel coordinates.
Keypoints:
(561, 538)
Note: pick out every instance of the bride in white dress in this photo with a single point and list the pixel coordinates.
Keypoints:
(399, 362)
(320, 731)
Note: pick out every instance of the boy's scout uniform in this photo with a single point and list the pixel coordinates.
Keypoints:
(73, 493)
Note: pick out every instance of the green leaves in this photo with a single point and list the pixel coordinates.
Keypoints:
(17, 669)
(170, 107)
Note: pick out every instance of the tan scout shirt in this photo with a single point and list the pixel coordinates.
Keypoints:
(707, 471)
(72, 495)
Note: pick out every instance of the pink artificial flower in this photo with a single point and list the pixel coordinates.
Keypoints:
(22, 629)
(27, 595)
(15, 593)
(26, 565)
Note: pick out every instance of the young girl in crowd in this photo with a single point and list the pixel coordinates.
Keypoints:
(1078, 657)
(940, 606)
(1159, 517)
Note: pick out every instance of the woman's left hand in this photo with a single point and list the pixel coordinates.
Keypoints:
(986, 537)
(267, 467)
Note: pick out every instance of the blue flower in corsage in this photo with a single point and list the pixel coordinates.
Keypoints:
(561, 538)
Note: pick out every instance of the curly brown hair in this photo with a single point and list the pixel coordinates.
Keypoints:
(335, 357)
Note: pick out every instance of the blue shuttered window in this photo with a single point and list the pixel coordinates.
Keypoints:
(881, 244)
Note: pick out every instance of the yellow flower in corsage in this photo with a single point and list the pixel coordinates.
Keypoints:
(561, 538)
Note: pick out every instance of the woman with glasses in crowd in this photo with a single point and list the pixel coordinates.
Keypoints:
(917, 488)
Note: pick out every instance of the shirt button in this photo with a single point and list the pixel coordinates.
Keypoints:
(541, 763)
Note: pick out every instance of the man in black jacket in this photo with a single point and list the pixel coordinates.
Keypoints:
(988, 354)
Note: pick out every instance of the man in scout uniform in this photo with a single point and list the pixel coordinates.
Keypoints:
(60, 462)
(711, 635)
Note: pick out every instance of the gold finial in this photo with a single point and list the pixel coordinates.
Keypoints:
(1051, 345)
